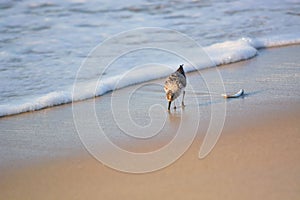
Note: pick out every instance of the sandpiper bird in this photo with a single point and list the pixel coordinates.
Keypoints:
(175, 85)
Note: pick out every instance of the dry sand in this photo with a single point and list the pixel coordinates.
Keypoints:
(256, 157)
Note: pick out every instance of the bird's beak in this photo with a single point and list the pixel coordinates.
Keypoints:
(169, 106)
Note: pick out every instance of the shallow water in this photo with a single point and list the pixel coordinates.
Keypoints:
(42, 44)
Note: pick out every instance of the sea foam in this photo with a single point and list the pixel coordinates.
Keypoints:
(219, 53)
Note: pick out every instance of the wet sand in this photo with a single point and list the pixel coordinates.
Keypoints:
(256, 156)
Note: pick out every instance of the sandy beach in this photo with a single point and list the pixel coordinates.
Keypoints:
(256, 156)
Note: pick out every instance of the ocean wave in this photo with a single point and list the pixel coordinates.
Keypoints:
(220, 54)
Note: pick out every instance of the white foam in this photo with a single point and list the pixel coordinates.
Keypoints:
(48, 100)
(230, 51)
(220, 53)
(246, 48)
(273, 41)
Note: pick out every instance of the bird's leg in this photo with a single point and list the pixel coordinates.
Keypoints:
(182, 103)
(175, 105)
(169, 105)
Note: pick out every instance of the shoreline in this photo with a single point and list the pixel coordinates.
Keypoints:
(256, 156)
(218, 64)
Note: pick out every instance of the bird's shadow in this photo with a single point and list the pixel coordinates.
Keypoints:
(176, 112)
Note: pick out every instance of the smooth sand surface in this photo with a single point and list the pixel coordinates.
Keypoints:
(256, 156)
(260, 162)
